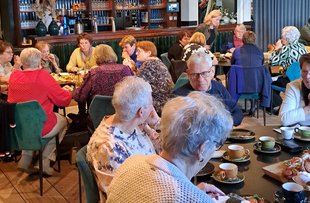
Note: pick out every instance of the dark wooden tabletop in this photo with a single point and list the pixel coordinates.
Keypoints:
(255, 181)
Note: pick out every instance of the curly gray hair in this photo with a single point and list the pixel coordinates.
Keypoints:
(130, 94)
(290, 33)
(188, 122)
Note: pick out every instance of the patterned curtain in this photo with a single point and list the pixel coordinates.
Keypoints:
(270, 16)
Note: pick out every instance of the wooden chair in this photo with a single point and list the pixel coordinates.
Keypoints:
(29, 119)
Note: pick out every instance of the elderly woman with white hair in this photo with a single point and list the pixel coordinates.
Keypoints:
(34, 83)
(287, 51)
(125, 133)
(192, 128)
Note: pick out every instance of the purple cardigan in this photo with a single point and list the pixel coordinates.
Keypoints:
(101, 81)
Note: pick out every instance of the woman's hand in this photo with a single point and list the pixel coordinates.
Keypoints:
(210, 189)
(153, 120)
(278, 45)
(17, 62)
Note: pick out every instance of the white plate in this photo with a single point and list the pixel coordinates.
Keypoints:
(218, 154)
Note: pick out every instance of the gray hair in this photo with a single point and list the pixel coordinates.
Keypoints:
(198, 58)
(130, 94)
(290, 33)
(188, 122)
(30, 58)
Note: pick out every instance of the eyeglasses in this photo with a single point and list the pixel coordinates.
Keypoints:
(203, 74)
(9, 52)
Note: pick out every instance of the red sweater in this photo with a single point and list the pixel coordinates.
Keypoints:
(38, 85)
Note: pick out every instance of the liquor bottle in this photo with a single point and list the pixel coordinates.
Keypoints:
(78, 27)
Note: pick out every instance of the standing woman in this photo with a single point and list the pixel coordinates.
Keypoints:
(209, 27)
(49, 62)
(83, 56)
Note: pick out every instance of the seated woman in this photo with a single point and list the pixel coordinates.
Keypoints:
(6, 68)
(176, 51)
(287, 51)
(126, 132)
(101, 80)
(295, 108)
(234, 41)
(197, 43)
(82, 58)
(249, 54)
(33, 83)
(186, 129)
(154, 72)
(50, 62)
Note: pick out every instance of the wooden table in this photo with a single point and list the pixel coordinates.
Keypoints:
(255, 181)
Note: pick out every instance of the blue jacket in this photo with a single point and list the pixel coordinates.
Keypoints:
(245, 79)
(219, 91)
(248, 55)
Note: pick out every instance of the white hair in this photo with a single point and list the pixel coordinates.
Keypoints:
(30, 58)
(188, 122)
(198, 58)
(290, 33)
(130, 94)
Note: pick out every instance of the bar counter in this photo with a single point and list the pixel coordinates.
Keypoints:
(119, 34)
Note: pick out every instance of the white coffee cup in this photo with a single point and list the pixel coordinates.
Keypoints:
(287, 132)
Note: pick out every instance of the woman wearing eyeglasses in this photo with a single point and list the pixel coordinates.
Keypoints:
(154, 72)
(192, 127)
(6, 68)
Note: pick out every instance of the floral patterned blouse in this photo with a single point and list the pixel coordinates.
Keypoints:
(109, 147)
(156, 73)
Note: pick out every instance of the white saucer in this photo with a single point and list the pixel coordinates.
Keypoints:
(218, 154)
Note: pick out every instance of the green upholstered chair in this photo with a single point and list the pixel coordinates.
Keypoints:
(99, 107)
(182, 80)
(165, 60)
(29, 119)
(89, 181)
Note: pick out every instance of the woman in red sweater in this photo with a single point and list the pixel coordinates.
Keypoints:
(33, 83)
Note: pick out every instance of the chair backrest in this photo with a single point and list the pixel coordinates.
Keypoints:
(182, 80)
(90, 185)
(99, 107)
(177, 68)
(165, 60)
(247, 80)
(29, 119)
(293, 72)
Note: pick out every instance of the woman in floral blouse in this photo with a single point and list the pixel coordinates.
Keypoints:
(154, 72)
(125, 133)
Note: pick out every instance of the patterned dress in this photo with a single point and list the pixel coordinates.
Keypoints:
(288, 54)
(109, 147)
(156, 73)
